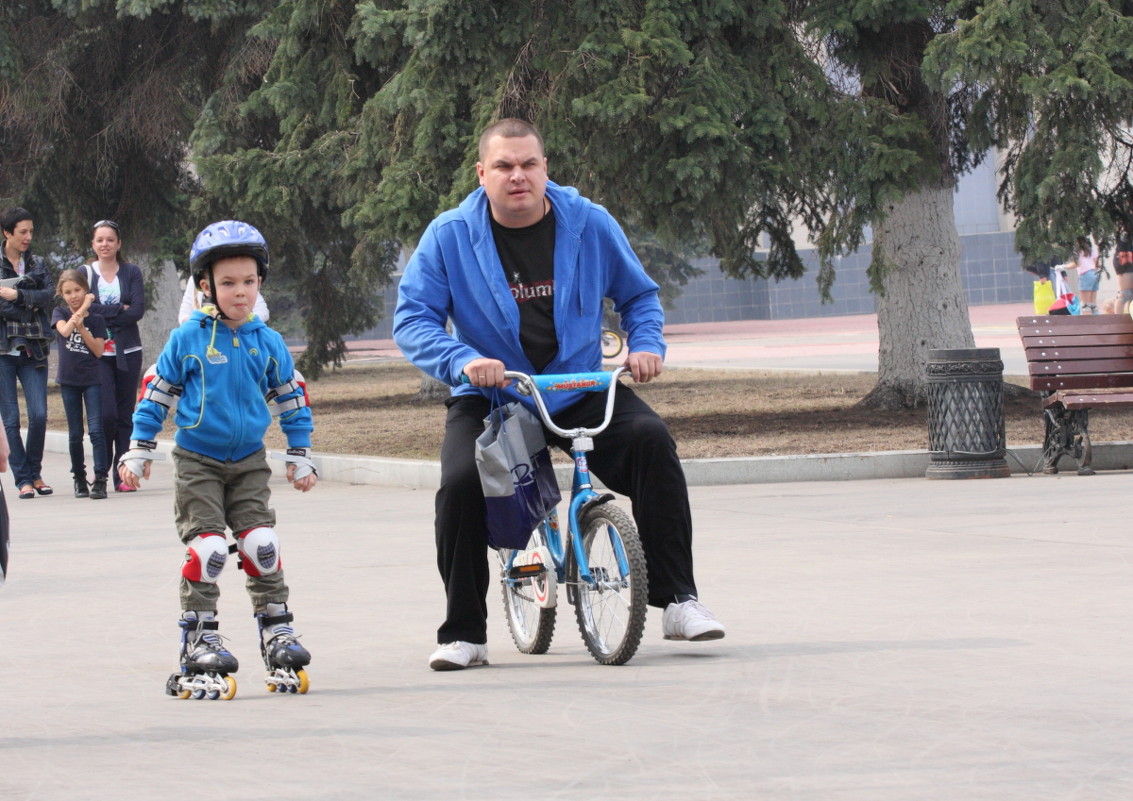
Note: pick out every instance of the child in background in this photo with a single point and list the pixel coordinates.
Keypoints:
(228, 374)
(1089, 276)
(81, 336)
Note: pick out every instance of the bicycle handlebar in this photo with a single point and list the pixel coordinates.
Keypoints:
(569, 382)
(536, 385)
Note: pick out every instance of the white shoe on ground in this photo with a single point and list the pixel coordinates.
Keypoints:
(458, 655)
(692, 621)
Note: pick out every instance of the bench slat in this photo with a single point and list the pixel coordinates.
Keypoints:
(1073, 400)
(1068, 323)
(1064, 354)
(1081, 367)
(1077, 340)
(1054, 383)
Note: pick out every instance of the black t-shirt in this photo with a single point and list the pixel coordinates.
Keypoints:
(528, 258)
(77, 365)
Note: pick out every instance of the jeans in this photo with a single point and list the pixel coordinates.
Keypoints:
(74, 398)
(119, 394)
(26, 460)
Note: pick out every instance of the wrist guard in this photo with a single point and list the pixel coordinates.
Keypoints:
(141, 451)
(300, 457)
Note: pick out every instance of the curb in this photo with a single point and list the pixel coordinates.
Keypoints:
(425, 474)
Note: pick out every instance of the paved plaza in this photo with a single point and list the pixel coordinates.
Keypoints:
(887, 639)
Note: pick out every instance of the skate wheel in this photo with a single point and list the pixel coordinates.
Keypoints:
(198, 694)
(230, 692)
(184, 695)
(304, 682)
(272, 687)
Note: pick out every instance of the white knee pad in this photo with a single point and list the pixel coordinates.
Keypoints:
(259, 551)
(205, 558)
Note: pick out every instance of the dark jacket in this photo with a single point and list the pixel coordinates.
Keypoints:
(32, 306)
(122, 322)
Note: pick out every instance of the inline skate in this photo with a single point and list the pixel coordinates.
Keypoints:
(205, 662)
(284, 657)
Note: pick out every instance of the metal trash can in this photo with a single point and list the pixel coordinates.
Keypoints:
(967, 436)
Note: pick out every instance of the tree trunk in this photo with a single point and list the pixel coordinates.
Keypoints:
(163, 301)
(432, 389)
(922, 305)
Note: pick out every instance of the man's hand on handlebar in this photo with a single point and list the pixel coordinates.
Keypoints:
(644, 366)
(486, 373)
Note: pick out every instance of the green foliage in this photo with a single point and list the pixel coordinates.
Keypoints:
(341, 128)
(694, 121)
(97, 100)
(1052, 89)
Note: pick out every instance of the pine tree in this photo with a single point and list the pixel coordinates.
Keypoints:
(97, 102)
(687, 120)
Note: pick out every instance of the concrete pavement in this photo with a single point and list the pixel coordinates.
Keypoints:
(821, 344)
(887, 640)
(824, 344)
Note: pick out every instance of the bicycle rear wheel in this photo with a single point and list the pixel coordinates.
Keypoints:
(529, 618)
(611, 612)
(612, 343)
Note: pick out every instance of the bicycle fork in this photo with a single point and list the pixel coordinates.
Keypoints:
(582, 497)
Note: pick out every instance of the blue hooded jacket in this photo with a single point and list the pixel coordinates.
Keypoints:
(224, 375)
(456, 273)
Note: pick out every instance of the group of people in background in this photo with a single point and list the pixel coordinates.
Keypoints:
(1088, 266)
(100, 354)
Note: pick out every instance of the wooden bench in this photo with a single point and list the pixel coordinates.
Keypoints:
(1078, 363)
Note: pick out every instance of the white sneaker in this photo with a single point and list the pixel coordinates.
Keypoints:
(690, 620)
(458, 655)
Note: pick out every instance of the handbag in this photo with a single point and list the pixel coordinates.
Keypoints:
(516, 475)
(1044, 296)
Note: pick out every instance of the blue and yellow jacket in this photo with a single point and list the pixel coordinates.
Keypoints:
(222, 383)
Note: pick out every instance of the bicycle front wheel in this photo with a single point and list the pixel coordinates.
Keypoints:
(611, 608)
(529, 603)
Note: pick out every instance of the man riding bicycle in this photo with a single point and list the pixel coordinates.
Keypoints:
(521, 268)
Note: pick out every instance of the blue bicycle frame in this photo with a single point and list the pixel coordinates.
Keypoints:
(582, 491)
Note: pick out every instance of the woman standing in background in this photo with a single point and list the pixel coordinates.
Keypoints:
(120, 299)
(26, 294)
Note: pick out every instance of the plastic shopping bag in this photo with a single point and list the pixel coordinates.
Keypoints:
(1065, 302)
(1044, 296)
(516, 475)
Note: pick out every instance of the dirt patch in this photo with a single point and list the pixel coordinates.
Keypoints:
(373, 410)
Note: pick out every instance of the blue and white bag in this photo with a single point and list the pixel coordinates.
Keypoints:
(515, 473)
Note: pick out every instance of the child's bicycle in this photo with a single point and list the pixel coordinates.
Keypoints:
(600, 561)
(612, 343)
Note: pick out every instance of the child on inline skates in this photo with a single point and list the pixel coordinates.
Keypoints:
(222, 369)
(81, 335)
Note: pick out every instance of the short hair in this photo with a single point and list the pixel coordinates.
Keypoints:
(78, 276)
(13, 217)
(509, 128)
